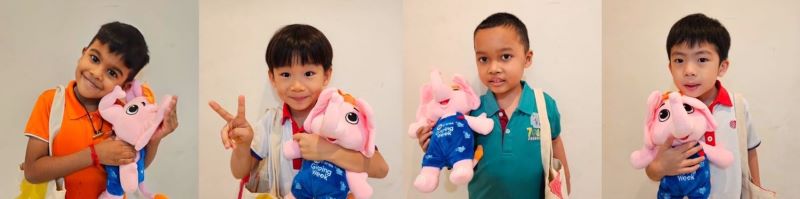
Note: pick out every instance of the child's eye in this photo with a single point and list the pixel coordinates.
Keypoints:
(309, 73)
(94, 59)
(112, 73)
(703, 60)
(284, 74)
(506, 57)
(678, 60)
(483, 60)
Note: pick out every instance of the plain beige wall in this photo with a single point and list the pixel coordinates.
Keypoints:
(367, 43)
(565, 38)
(765, 42)
(40, 44)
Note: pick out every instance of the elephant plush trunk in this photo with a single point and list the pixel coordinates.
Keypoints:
(681, 121)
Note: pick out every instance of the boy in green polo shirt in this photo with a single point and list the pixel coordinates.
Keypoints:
(511, 166)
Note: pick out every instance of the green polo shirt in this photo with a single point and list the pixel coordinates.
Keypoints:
(512, 162)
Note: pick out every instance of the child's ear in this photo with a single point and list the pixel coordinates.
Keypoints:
(723, 67)
(328, 76)
(528, 58)
(271, 77)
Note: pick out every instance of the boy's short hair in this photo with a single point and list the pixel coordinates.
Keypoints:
(127, 42)
(507, 20)
(299, 43)
(698, 28)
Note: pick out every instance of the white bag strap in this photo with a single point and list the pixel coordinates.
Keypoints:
(544, 130)
(275, 154)
(56, 117)
(741, 129)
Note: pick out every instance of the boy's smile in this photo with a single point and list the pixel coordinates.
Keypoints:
(695, 70)
(501, 59)
(98, 71)
(299, 86)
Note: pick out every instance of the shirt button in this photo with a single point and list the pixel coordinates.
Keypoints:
(508, 131)
(501, 114)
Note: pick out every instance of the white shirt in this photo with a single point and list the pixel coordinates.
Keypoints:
(727, 183)
(260, 146)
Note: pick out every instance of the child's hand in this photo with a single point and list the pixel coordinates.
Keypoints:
(114, 152)
(671, 161)
(314, 147)
(423, 136)
(170, 122)
(237, 132)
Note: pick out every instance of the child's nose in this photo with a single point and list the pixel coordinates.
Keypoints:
(494, 67)
(296, 85)
(690, 70)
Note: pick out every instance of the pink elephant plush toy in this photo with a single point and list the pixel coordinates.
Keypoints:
(446, 107)
(686, 120)
(134, 122)
(344, 120)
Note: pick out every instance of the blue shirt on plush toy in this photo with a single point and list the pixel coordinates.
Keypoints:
(453, 142)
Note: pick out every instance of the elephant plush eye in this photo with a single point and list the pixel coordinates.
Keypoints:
(352, 118)
(689, 109)
(132, 110)
(663, 115)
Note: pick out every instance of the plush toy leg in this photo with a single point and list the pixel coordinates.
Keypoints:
(129, 177)
(358, 184)
(462, 172)
(106, 195)
(291, 149)
(427, 180)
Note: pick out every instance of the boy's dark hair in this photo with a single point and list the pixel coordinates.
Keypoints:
(127, 42)
(698, 28)
(508, 20)
(301, 43)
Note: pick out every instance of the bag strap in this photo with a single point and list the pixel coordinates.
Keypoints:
(741, 129)
(544, 130)
(56, 117)
(275, 154)
(273, 167)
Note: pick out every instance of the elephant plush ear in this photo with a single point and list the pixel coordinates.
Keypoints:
(368, 134)
(134, 91)
(653, 103)
(319, 108)
(473, 101)
(701, 108)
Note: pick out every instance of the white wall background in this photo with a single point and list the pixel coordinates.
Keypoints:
(40, 44)
(367, 43)
(565, 38)
(765, 40)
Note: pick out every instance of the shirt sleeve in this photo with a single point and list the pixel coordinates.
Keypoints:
(39, 120)
(753, 140)
(553, 115)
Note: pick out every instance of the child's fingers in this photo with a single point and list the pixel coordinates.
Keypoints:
(240, 111)
(226, 140)
(220, 111)
(691, 151)
(685, 170)
(666, 145)
(692, 162)
(425, 145)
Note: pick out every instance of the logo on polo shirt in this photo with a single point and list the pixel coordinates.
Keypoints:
(733, 124)
(534, 129)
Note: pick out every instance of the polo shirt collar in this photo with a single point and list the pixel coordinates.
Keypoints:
(722, 96)
(73, 108)
(526, 96)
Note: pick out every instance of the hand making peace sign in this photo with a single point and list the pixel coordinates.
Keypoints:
(237, 132)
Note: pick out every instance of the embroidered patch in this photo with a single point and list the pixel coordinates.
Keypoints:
(533, 134)
(733, 124)
(535, 120)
